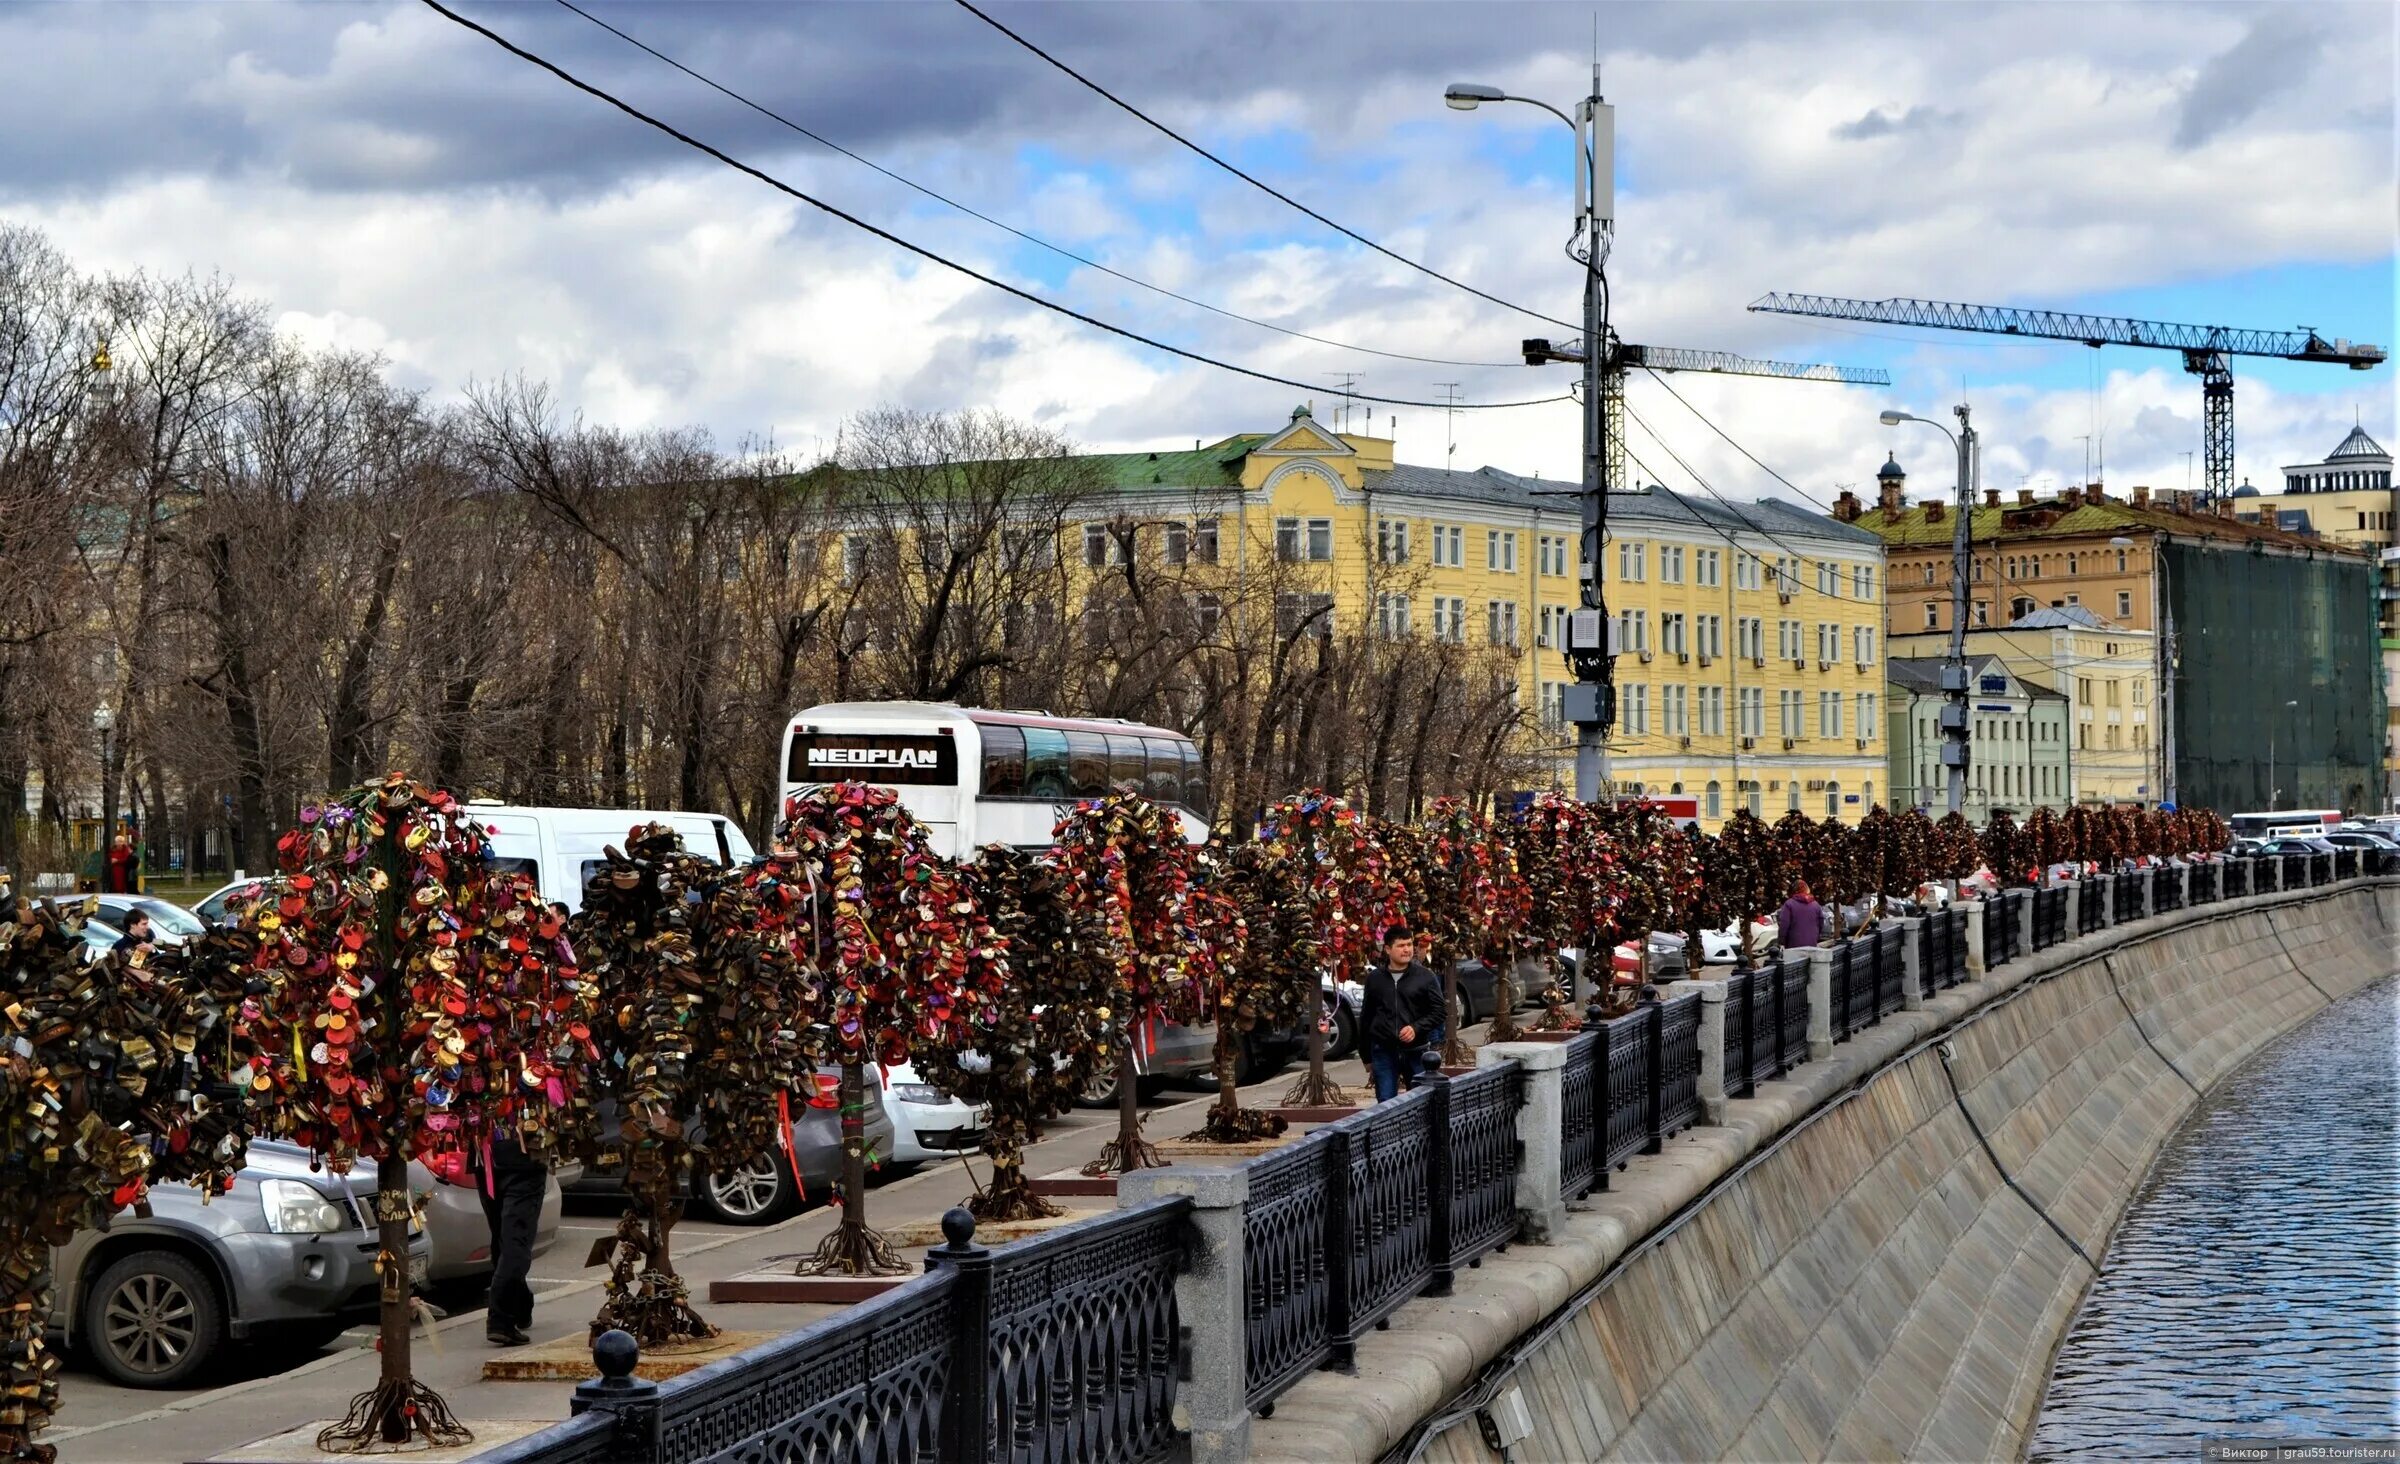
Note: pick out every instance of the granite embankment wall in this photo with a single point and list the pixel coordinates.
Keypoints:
(1840, 1271)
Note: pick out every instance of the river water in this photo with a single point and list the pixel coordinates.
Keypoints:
(2251, 1290)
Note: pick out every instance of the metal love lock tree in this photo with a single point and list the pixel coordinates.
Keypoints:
(1954, 852)
(1474, 907)
(1742, 877)
(901, 956)
(405, 1003)
(1346, 888)
(1653, 872)
(702, 1001)
(1127, 865)
(1046, 1036)
(1568, 874)
(1252, 901)
(111, 1080)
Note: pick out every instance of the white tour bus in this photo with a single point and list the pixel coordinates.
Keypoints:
(974, 777)
(2291, 823)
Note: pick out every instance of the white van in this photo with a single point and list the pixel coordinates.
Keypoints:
(560, 847)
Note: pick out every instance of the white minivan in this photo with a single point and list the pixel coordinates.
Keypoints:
(562, 847)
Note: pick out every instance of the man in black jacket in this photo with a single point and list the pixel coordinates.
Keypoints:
(1402, 1013)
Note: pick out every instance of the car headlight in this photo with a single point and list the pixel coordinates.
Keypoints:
(919, 1093)
(294, 1208)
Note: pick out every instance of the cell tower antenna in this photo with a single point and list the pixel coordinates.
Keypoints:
(1450, 401)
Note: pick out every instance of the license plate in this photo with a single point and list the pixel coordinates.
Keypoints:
(420, 1271)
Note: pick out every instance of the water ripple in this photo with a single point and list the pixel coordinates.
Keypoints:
(2252, 1288)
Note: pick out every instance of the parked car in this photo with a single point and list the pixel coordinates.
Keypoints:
(927, 1123)
(170, 923)
(762, 1191)
(459, 1236)
(2295, 846)
(2347, 838)
(286, 1256)
(225, 902)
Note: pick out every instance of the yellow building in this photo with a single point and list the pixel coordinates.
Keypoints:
(2105, 671)
(2346, 499)
(1750, 669)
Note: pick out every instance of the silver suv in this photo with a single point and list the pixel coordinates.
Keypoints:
(285, 1254)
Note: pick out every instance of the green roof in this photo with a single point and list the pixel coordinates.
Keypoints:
(1218, 465)
(2051, 518)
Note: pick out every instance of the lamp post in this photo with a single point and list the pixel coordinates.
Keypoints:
(104, 722)
(1592, 703)
(2272, 790)
(1954, 672)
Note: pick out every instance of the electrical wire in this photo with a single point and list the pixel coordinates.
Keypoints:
(1264, 187)
(1058, 249)
(920, 250)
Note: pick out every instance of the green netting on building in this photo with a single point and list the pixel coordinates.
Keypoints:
(2254, 632)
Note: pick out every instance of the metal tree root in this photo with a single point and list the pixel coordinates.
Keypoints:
(1010, 1197)
(1504, 1026)
(392, 1412)
(653, 1304)
(854, 1250)
(1238, 1126)
(1124, 1154)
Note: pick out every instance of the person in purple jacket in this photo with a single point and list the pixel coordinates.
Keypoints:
(1801, 921)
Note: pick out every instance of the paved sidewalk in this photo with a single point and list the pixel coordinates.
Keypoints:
(99, 1424)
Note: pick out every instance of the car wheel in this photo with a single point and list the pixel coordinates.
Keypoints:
(1099, 1090)
(153, 1320)
(1342, 1040)
(758, 1193)
(1466, 1008)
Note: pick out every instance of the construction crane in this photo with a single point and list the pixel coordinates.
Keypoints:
(2204, 348)
(1623, 358)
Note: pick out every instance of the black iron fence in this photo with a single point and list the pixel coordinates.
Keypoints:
(2166, 889)
(2202, 882)
(2000, 916)
(2320, 869)
(1944, 962)
(1063, 1347)
(2127, 898)
(2345, 864)
(2234, 878)
(2049, 917)
(1851, 987)
(2294, 873)
(1766, 1024)
(2091, 906)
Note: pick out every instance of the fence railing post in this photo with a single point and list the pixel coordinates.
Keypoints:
(1212, 1400)
(1441, 1179)
(966, 1421)
(632, 1399)
(1976, 914)
(1820, 1004)
(2074, 925)
(1541, 1133)
(1714, 1081)
(1338, 1324)
(1912, 963)
(2024, 913)
(1654, 1027)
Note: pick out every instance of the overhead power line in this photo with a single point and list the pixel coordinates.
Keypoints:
(1264, 187)
(974, 213)
(920, 250)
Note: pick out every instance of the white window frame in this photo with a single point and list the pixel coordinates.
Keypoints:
(1708, 568)
(1670, 564)
(1632, 561)
(1391, 616)
(1391, 541)
(1633, 709)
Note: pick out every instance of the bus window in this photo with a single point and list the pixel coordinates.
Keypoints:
(1164, 782)
(1003, 762)
(1087, 761)
(1046, 772)
(1125, 760)
(1195, 781)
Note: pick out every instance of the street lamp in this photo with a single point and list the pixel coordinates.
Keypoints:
(2272, 790)
(1591, 702)
(1954, 674)
(104, 722)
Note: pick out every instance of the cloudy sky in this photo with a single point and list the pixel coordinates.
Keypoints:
(388, 180)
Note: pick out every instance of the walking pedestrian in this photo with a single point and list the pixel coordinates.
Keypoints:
(1801, 921)
(1401, 1012)
(511, 1185)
